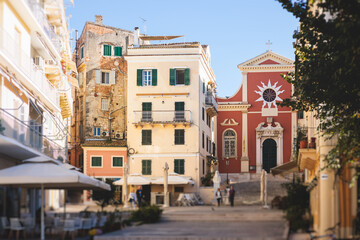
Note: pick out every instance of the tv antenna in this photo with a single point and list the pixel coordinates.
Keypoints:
(144, 21)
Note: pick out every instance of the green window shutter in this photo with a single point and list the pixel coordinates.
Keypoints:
(117, 161)
(146, 106)
(146, 137)
(179, 136)
(182, 167)
(154, 77)
(179, 166)
(82, 53)
(146, 167)
(179, 106)
(118, 51)
(187, 76)
(139, 77)
(107, 50)
(96, 162)
(172, 77)
(203, 87)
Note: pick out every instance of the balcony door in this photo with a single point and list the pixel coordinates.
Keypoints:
(269, 154)
(146, 111)
(179, 111)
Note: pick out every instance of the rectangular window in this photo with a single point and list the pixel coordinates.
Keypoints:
(104, 104)
(146, 111)
(105, 78)
(203, 114)
(179, 111)
(117, 51)
(203, 140)
(146, 167)
(107, 50)
(179, 136)
(146, 137)
(209, 146)
(147, 78)
(180, 76)
(96, 161)
(117, 161)
(207, 143)
(96, 131)
(81, 52)
(179, 166)
(203, 166)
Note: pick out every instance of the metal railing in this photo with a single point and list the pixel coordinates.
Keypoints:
(162, 116)
(24, 62)
(210, 100)
(40, 16)
(30, 134)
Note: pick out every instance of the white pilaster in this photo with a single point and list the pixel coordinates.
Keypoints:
(245, 134)
(244, 86)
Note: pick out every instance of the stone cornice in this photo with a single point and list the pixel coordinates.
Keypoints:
(261, 68)
(233, 107)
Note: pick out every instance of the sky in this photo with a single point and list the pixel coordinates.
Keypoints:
(235, 30)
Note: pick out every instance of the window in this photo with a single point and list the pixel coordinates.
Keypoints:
(107, 50)
(146, 167)
(179, 166)
(207, 143)
(179, 111)
(104, 104)
(203, 166)
(203, 140)
(96, 131)
(180, 76)
(146, 137)
(117, 51)
(229, 143)
(105, 78)
(117, 161)
(146, 111)
(96, 161)
(203, 114)
(82, 52)
(179, 136)
(301, 114)
(146, 77)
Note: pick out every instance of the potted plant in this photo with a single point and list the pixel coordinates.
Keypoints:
(302, 138)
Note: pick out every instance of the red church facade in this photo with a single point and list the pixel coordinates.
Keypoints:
(253, 132)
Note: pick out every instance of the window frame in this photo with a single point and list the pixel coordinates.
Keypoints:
(112, 161)
(176, 76)
(142, 137)
(229, 139)
(146, 82)
(91, 162)
(149, 167)
(176, 137)
(107, 73)
(178, 166)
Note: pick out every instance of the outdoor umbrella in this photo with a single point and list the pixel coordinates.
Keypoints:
(134, 179)
(46, 173)
(174, 179)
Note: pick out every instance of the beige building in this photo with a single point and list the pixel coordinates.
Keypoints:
(171, 111)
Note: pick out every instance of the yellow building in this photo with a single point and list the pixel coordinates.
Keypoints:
(171, 109)
(333, 202)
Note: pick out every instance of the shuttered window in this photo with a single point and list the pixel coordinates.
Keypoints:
(146, 137)
(96, 161)
(96, 131)
(117, 161)
(117, 51)
(146, 111)
(180, 76)
(104, 104)
(81, 52)
(146, 77)
(107, 50)
(179, 166)
(179, 111)
(179, 136)
(146, 167)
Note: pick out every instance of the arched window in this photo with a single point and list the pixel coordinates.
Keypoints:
(229, 143)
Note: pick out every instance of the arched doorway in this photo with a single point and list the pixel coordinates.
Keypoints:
(269, 154)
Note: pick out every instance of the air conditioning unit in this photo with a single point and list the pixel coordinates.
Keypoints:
(105, 133)
(39, 61)
(119, 135)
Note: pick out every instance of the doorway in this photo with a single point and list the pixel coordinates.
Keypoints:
(147, 193)
(269, 154)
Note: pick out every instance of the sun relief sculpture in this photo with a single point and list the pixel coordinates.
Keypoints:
(269, 94)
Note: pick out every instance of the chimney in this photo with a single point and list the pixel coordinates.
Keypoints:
(136, 36)
(98, 19)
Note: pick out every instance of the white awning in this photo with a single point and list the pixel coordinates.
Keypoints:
(174, 179)
(134, 179)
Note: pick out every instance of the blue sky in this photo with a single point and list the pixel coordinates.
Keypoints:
(236, 30)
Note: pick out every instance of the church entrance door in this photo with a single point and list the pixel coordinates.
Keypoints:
(269, 154)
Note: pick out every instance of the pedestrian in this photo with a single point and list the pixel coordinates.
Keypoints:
(132, 198)
(232, 195)
(140, 196)
(218, 196)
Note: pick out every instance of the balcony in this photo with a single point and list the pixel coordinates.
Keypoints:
(211, 104)
(40, 16)
(162, 117)
(21, 62)
(22, 140)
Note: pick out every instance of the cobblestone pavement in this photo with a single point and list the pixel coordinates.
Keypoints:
(206, 222)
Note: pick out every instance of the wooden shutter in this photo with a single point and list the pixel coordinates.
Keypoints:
(172, 76)
(112, 77)
(203, 87)
(187, 76)
(146, 106)
(179, 106)
(118, 51)
(181, 169)
(97, 76)
(139, 77)
(154, 77)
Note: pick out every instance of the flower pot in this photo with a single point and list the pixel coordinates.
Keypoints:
(303, 144)
(312, 145)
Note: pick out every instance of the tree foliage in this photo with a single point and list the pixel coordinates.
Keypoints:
(327, 71)
(103, 197)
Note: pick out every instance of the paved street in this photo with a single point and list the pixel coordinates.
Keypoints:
(205, 222)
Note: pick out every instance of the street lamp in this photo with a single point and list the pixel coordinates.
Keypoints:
(227, 172)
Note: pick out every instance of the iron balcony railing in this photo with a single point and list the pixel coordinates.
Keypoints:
(30, 134)
(210, 100)
(10, 48)
(162, 116)
(40, 16)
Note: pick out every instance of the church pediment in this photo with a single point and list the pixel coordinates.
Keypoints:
(267, 61)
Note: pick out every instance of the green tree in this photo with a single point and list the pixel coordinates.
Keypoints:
(104, 198)
(327, 71)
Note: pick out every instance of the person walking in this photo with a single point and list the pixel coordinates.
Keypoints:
(132, 198)
(139, 195)
(218, 196)
(232, 195)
